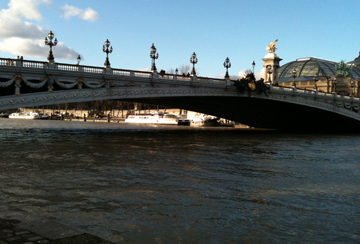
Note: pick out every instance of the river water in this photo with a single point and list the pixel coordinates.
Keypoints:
(163, 184)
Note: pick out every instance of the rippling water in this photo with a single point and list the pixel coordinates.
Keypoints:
(151, 184)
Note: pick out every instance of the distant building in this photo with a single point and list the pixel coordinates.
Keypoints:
(307, 68)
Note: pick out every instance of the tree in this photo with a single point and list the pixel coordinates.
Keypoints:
(182, 70)
(343, 69)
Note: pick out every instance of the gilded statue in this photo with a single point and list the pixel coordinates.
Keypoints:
(272, 47)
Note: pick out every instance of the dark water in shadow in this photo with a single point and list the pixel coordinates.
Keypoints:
(150, 184)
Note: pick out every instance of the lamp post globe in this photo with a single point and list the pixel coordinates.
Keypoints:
(78, 59)
(153, 56)
(227, 65)
(106, 50)
(253, 66)
(50, 43)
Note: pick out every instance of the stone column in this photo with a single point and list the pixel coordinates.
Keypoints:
(273, 61)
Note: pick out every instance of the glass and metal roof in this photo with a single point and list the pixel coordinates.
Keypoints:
(307, 68)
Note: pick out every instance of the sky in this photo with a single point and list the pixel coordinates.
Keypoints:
(213, 29)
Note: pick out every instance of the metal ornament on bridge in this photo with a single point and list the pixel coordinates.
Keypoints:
(153, 56)
(227, 65)
(193, 60)
(107, 51)
(50, 43)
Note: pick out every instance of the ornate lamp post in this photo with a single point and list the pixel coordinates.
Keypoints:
(153, 55)
(294, 76)
(227, 65)
(316, 78)
(106, 50)
(253, 66)
(78, 59)
(50, 43)
(193, 60)
(269, 72)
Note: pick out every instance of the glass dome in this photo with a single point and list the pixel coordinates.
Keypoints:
(307, 68)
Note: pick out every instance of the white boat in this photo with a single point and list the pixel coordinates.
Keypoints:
(161, 118)
(205, 120)
(43, 116)
(21, 115)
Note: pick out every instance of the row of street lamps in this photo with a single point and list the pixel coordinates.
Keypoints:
(193, 59)
(153, 55)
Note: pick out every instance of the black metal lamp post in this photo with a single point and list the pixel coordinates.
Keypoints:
(294, 76)
(50, 43)
(227, 65)
(153, 56)
(193, 60)
(253, 66)
(78, 59)
(316, 78)
(106, 50)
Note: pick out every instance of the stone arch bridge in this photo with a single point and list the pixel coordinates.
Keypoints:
(25, 83)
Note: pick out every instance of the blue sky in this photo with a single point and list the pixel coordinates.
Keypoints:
(237, 29)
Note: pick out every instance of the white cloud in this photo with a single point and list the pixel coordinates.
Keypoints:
(12, 23)
(71, 11)
(19, 36)
(36, 48)
(241, 73)
(90, 15)
(145, 69)
(221, 76)
(258, 75)
(27, 8)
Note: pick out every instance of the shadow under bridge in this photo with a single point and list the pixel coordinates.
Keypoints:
(261, 112)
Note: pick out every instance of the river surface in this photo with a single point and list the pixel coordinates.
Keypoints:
(169, 184)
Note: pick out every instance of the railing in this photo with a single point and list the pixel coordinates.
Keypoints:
(315, 93)
(217, 81)
(121, 72)
(89, 69)
(68, 67)
(32, 64)
(7, 62)
(141, 74)
(183, 78)
(166, 77)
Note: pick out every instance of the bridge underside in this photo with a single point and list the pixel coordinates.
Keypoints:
(260, 113)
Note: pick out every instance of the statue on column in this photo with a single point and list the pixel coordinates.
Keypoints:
(272, 47)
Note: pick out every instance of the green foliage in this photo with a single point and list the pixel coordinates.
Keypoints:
(343, 69)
